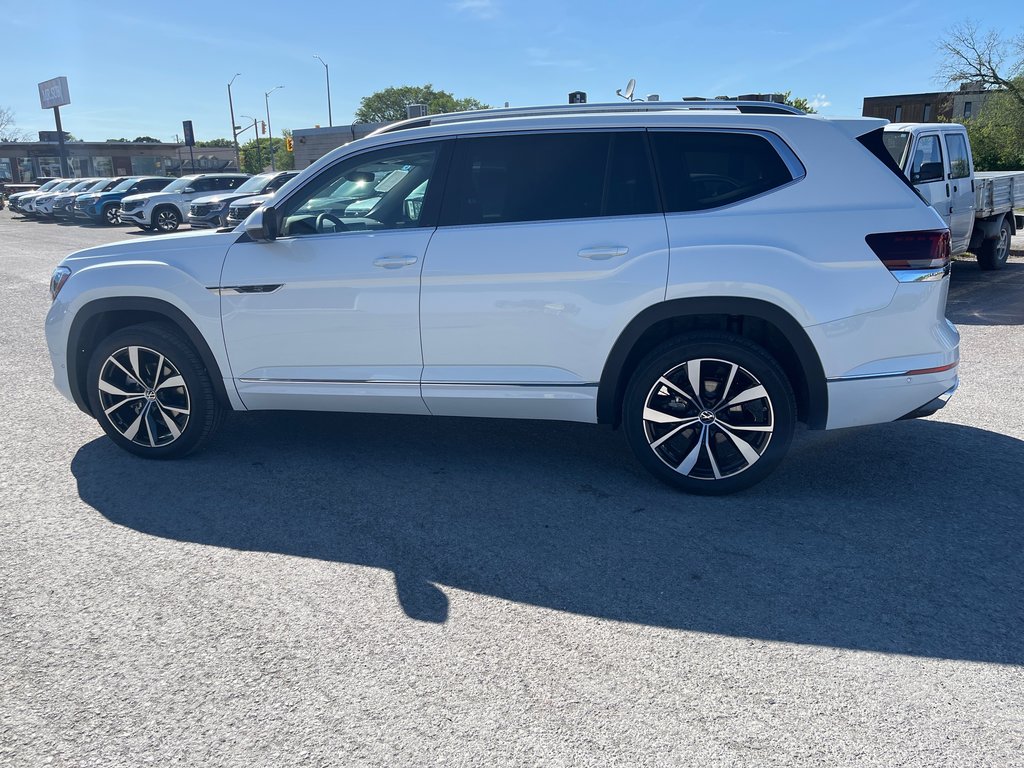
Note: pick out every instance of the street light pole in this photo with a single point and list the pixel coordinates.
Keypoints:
(256, 133)
(234, 128)
(270, 131)
(330, 119)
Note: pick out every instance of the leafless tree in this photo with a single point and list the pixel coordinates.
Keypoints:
(984, 57)
(8, 128)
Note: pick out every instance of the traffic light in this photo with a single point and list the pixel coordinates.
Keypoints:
(263, 126)
(289, 144)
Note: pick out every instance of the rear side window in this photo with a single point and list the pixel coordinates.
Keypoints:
(959, 160)
(699, 170)
(538, 177)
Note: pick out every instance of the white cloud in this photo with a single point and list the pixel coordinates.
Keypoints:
(482, 9)
(819, 102)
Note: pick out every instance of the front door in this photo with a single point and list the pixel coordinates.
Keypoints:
(928, 174)
(326, 317)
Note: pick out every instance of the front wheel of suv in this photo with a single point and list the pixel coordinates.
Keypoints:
(709, 413)
(151, 393)
(166, 219)
(111, 215)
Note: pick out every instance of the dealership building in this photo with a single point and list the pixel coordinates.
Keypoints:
(25, 161)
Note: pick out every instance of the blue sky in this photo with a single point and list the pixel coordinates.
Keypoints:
(135, 69)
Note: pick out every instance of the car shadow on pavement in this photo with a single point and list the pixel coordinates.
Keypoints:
(905, 538)
(978, 297)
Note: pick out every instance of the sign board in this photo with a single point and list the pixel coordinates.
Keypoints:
(190, 136)
(54, 93)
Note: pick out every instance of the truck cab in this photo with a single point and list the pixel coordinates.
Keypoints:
(936, 157)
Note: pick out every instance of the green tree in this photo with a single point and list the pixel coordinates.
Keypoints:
(255, 159)
(147, 140)
(997, 133)
(215, 143)
(389, 104)
(799, 103)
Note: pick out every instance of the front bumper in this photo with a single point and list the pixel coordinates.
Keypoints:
(209, 221)
(138, 216)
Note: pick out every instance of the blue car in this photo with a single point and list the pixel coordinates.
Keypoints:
(105, 207)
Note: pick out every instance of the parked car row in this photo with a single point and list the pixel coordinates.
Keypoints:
(150, 202)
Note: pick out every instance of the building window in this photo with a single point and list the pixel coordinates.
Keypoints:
(968, 109)
(927, 113)
(25, 172)
(50, 166)
(104, 166)
(6, 172)
(899, 113)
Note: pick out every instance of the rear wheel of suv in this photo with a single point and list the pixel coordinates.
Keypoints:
(166, 219)
(151, 393)
(709, 413)
(111, 215)
(993, 253)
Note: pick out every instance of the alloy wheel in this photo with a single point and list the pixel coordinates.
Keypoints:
(166, 221)
(708, 419)
(144, 396)
(112, 215)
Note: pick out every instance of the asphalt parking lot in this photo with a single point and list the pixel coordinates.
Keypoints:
(382, 590)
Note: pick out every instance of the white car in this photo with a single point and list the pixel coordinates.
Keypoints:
(703, 277)
(167, 209)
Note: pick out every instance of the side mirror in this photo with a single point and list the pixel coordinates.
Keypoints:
(188, 190)
(262, 224)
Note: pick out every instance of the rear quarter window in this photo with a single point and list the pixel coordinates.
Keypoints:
(699, 170)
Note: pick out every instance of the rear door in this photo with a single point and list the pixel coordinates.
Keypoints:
(548, 244)
(961, 169)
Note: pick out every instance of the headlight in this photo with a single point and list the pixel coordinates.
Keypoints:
(57, 279)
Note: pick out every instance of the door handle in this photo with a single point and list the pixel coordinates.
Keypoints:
(600, 254)
(394, 262)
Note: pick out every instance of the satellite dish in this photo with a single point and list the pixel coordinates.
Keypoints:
(630, 87)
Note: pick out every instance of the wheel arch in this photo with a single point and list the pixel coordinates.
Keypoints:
(763, 322)
(101, 317)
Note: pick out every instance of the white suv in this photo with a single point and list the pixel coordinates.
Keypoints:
(704, 277)
(165, 210)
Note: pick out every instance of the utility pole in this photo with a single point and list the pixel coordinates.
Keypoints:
(270, 131)
(256, 133)
(330, 119)
(234, 128)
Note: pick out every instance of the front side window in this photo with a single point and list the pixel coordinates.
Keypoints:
(540, 177)
(377, 190)
(699, 170)
(959, 159)
(927, 164)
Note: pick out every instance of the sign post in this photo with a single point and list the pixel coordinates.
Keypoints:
(54, 94)
(190, 141)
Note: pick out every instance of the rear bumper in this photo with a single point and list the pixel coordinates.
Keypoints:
(932, 406)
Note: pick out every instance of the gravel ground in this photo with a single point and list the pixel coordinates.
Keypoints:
(366, 590)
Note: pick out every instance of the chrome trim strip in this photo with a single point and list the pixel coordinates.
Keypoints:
(862, 376)
(244, 290)
(249, 380)
(921, 275)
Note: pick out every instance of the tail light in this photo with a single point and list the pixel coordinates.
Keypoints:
(927, 249)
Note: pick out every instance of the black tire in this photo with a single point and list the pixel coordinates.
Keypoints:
(167, 218)
(994, 253)
(137, 399)
(697, 444)
(109, 216)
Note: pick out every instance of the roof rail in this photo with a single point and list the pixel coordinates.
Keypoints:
(746, 107)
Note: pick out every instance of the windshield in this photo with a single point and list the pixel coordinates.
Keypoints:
(82, 186)
(48, 185)
(61, 186)
(179, 184)
(125, 185)
(101, 186)
(896, 143)
(254, 185)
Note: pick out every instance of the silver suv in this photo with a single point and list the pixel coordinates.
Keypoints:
(165, 210)
(705, 278)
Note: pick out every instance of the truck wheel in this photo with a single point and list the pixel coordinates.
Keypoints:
(709, 413)
(166, 219)
(993, 253)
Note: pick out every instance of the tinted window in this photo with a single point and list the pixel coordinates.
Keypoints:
(927, 163)
(959, 160)
(153, 185)
(537, 177)
(706, 169)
